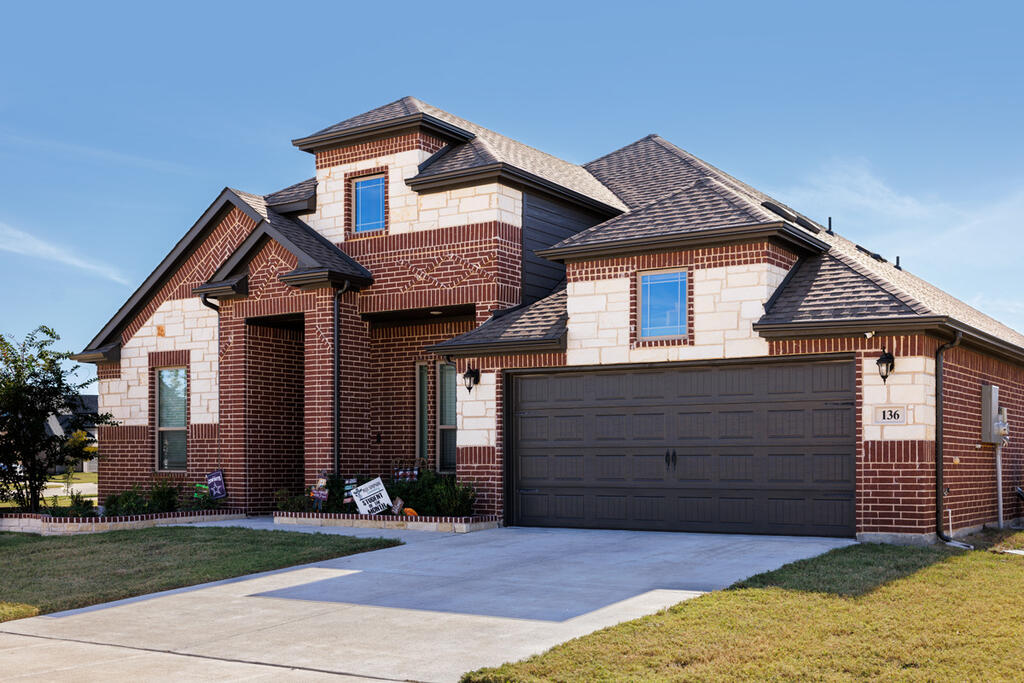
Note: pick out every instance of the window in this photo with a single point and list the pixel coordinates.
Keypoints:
(171, 397)
(663, 305)
(368, 194)
(446, 387)
(422, 411)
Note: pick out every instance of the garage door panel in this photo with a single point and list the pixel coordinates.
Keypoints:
(759, 448)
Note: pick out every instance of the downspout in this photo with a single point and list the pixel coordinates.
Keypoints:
(336, 446)
(205, 298)
(939, 471)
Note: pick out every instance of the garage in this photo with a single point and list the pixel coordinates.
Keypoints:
(758, 448)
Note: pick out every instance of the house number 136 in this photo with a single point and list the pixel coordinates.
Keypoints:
(891, 415)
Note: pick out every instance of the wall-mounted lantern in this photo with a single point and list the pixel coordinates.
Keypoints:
(886, 363)
(471, 378)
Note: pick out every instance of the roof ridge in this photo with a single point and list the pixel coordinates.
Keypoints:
(649, 136)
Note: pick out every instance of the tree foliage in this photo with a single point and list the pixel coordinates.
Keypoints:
(35, 384)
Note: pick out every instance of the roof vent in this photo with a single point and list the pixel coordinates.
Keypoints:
(807, 224)
(779, 211)
(876, 256)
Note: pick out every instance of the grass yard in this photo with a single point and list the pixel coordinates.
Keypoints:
(62, 501)
(77, 478)
(862, 612)
(48, 574)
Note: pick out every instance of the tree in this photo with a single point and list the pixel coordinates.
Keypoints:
(35, 384)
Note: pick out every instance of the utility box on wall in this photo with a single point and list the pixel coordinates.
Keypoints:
(993, 421)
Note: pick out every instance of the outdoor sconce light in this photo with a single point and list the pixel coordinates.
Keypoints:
(885, 363)
(471, 378)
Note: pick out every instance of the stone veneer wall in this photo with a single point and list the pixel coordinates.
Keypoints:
(407, 211)
(728, 285)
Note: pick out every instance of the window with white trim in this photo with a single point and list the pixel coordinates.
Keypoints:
(446, 425)
(368, 195)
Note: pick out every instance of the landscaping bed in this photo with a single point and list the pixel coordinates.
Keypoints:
(48, 525)
(458, 525)
(863, 612)
(41, 575)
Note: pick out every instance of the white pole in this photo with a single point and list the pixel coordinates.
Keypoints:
(999, 484)
(949, 514)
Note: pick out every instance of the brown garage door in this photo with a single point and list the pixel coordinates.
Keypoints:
(765, 448)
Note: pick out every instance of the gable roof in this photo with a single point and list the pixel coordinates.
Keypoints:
(310, 247)
(478, 150)
(298, 197)
(540, 326)
(317, 256)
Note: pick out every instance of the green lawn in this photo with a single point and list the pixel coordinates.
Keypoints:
(77, 478)
(862, 612)
(62, 501)
(48, 574)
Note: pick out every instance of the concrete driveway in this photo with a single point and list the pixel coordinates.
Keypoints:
(430, 610)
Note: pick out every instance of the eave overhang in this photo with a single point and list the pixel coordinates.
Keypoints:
(425, 122)
(111, 353)
(781, 231)
(939, 325)
(307, 205)
(502, 172)
(236, 286)
(322, 277)
(498, 348)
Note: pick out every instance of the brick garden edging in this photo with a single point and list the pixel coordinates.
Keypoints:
(458, 525)
(46, 525)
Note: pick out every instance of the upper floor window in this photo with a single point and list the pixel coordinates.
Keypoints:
(368, 195)
(171, 427)
(662, 305)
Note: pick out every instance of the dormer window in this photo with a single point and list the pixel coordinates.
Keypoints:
(368, 196)
(663, 304)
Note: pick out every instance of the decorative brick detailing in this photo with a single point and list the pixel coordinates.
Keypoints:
(471, 264)
(477, 455)
(896, 487)
(350, 203)
(67, 526)
(378, 148)
(713, 257)
(900, 345)
(388, 518)
(108, 371)
(222, 241)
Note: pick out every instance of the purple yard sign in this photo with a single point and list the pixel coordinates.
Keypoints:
(215, 480)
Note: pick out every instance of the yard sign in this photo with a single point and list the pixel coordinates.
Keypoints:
(371, 498)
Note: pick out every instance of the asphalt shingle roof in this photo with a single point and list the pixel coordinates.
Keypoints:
(293, 193)
(485, 149)
(542, 321)
(315, 250)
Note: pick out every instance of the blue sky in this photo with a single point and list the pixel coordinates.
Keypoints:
(120, 123)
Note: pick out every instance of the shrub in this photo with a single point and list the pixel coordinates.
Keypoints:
(289, 502)
(203, 501)
(164, 496)
(435, 494)
(78, 506)
(130, 502)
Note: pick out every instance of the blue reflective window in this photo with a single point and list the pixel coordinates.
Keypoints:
(369, 199)
(663, 305)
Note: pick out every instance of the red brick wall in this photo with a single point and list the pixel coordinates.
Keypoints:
(972, 480)
(469, 264)
(896, 487)
(378, 148)
(395, 352)
(274, 413)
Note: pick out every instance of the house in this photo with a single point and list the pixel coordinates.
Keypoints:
(640, 342)
(60, 424)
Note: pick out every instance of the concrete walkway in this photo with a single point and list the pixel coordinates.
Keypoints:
(430, 610)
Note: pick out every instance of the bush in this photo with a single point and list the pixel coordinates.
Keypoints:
(435, 494)
(164, 496)
(78, 506)
(130, 502)
(288, 502)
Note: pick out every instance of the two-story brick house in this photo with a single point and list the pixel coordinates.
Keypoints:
(639, 342)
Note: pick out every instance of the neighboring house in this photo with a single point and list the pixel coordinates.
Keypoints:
(60, 425)
(654, 345)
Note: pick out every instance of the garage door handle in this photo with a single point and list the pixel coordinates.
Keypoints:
(666, 458)
(673, 460)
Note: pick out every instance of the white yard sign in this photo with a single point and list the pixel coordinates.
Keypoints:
(372, 498)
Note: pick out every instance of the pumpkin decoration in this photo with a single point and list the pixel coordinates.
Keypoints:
(409, 512)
